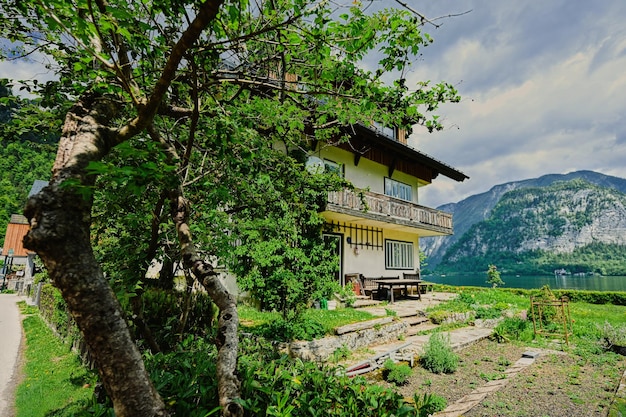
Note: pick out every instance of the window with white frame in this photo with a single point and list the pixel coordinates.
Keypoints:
(398, 189)
(398, 254)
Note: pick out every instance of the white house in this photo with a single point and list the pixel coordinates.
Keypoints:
(382, 239)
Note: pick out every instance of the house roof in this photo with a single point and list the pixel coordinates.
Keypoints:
(406, 152)
(16, 230)
(37, 186)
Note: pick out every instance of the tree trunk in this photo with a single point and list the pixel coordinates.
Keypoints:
(228, 321)
(60, 219)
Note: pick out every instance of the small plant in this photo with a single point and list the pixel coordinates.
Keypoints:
(612, 335)
(347, 295)
(395, 373)
(492, 376)
(340, 354)
(429, 404)
(391, 313)
(493, 276)
(438, 355)
(438, 317)
(513, 328)
(502, 361)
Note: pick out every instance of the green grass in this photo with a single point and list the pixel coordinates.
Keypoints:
(54, 377)
(250, 317)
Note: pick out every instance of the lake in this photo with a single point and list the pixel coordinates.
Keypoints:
(593, 283)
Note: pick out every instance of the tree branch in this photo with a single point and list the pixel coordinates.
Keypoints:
(206, 14)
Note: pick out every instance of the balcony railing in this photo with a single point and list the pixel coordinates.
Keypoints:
(393, 209)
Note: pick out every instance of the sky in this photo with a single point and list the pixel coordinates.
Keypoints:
(543, 86)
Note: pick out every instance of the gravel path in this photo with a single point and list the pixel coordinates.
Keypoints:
(10, 340)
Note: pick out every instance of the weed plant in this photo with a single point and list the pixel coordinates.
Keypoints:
(438, 355)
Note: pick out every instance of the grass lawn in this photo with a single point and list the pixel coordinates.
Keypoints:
(53, 376)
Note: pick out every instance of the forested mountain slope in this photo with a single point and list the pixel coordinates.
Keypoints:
(27, 150)
(534, 225)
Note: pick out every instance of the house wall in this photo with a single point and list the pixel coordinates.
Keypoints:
(368, 174)
(371, 261)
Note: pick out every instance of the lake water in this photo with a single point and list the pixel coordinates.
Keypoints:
(593, 283)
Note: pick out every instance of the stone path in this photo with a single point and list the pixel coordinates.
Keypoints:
(459, 339)
(466, 403)
(11, 331)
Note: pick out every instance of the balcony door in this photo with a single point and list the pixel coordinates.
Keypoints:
(334, 241)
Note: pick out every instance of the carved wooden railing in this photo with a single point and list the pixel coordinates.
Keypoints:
(379, 204)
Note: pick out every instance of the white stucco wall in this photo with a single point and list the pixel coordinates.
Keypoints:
(371, 261)
(367, 174)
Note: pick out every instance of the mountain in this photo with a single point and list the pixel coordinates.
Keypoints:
(550, 214)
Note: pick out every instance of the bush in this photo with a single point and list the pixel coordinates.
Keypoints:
(162, 310)
(396, 373)
(300, 328)
(488, 313)
(438, 317)
(514, 328)
(612, 335)
(438, 355)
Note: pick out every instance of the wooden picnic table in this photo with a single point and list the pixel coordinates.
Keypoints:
(399, 283)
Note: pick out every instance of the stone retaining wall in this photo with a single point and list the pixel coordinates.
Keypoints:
(322, 349)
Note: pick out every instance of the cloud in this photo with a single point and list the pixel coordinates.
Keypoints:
(543, 86)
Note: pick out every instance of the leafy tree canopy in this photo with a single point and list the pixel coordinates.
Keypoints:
(213, 102)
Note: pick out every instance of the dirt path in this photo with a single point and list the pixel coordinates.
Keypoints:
(10, 341)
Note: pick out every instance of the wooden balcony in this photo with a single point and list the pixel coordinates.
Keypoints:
(380, 208)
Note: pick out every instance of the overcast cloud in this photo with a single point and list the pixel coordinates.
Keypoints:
(543, 87)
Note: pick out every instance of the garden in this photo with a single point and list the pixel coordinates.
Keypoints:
(575, 379)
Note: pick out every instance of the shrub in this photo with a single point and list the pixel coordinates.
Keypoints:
(438, 355)
(163, 309)
(396, 373)
(438, 317)
(300, 328)
(488, 313)
(493, 276)
(513, 328)
(612, 335)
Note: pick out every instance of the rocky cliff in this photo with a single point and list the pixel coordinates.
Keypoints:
(553, 213)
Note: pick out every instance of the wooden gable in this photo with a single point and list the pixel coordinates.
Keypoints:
(16, 230)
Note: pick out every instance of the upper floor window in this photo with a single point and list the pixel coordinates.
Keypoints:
(333, 167)
(398, 189)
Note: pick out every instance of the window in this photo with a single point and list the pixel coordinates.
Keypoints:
(398, 255)
(398, 189)
(333, 167)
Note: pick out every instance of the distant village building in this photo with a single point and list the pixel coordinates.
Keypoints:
(18, 269)
(19, 263)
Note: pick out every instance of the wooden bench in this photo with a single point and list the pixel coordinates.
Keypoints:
(412, 276)
(425, 287)
(369, 285)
